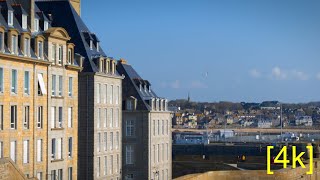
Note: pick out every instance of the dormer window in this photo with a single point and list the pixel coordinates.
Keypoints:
(36, 25)
(60, 55)
(26, 49)
(24, 22)
(129, 104)
(40, 50)
(69, 56)
(145, 88)
(98, 46)
(149, 88)
(14, 44)
(1, 41)
(45, 25)
(140, 87)
(10, 18)
(91, 44)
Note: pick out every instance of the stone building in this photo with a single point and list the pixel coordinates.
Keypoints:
(100, 98)
(26, 69)
(146, 135)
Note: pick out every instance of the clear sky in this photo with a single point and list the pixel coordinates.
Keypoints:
(218, 50)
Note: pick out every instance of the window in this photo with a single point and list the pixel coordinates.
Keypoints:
(36, 25)
(91, 44)
(26, 117)
(111, 163)
(129, 154)
(98, 93)
(129, 177)
(70, 147)
(130, 127)
(98, 117)
(99, 142)
(54, 53)
(25, 151)
(53, 149)
(40, 50)
(1, 149)
(117, 165)
(105, 94)
(98, 170)
(14, 81)
(129, 104)
(70, 173)
(53, 86)
(1, 80)
(13, 150)
(70, 123)
(60, 175)
(39, 150)
(167, 127)
(105, 166)
(154, 127)
(26, 82)
(60, 55)
(69, 56)
(53, 117)
(162, 151)
(39, 175)
(60, 86)
(167, 151)
(111, 98)
(117, 94)
(59, 147)
(10, 18)
(105, 118)
(14, 44)
(41, 85)
(53, 175)
(70, 87)
(45, 25)
(24, 21)
(40, 117)
(117, 140)
(158, 153)
(26, 49)
(162, 127)
(1, 117)
(154, 153)
(1, 41)
(159, 127)
(13, 117)
(105, 139)
(60, 123)
(111, 140)
(116, 119)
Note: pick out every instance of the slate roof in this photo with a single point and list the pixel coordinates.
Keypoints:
(131, 86)
(64, 15)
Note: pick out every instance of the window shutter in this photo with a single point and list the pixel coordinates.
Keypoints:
(69, 117)
(13, 150)
(25, 151)
(42, 85)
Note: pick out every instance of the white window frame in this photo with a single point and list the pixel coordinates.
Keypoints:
(14, 79)
(13, 150)
(39, 117)
(53, 85)
(1, 117)
(60, 117)
(130, 127)
(45, 25)
(70, 147)
(70, 117)
(26, 49)
(26, 117)
(24, 21)
(129, 154)
(1, 79)
(36, 25)
(26, 82)
(10, 18)
(39, 150)
(26, 151)
(70, 87)
(60, 58)
(13, 117)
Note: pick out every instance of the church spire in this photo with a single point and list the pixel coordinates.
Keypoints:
(188, 96)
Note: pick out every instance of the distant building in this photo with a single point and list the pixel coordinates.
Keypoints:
(264, 124)
(226, 133)
(304, 121)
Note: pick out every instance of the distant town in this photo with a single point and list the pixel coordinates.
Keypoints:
(267, 114)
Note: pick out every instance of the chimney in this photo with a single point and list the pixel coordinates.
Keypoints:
(28, 6)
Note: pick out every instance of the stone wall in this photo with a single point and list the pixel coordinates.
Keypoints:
(283, 174)
(9, 171)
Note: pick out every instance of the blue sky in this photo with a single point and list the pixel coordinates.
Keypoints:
(218, 50)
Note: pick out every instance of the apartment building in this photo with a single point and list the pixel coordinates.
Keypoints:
(146, 135)
(100, 98)
(26, 35)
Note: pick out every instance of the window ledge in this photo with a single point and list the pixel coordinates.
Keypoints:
(57, 97)
(57, 129)
(57, 160)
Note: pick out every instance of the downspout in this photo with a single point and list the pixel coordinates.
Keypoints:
(34, 117)
(87, 127)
